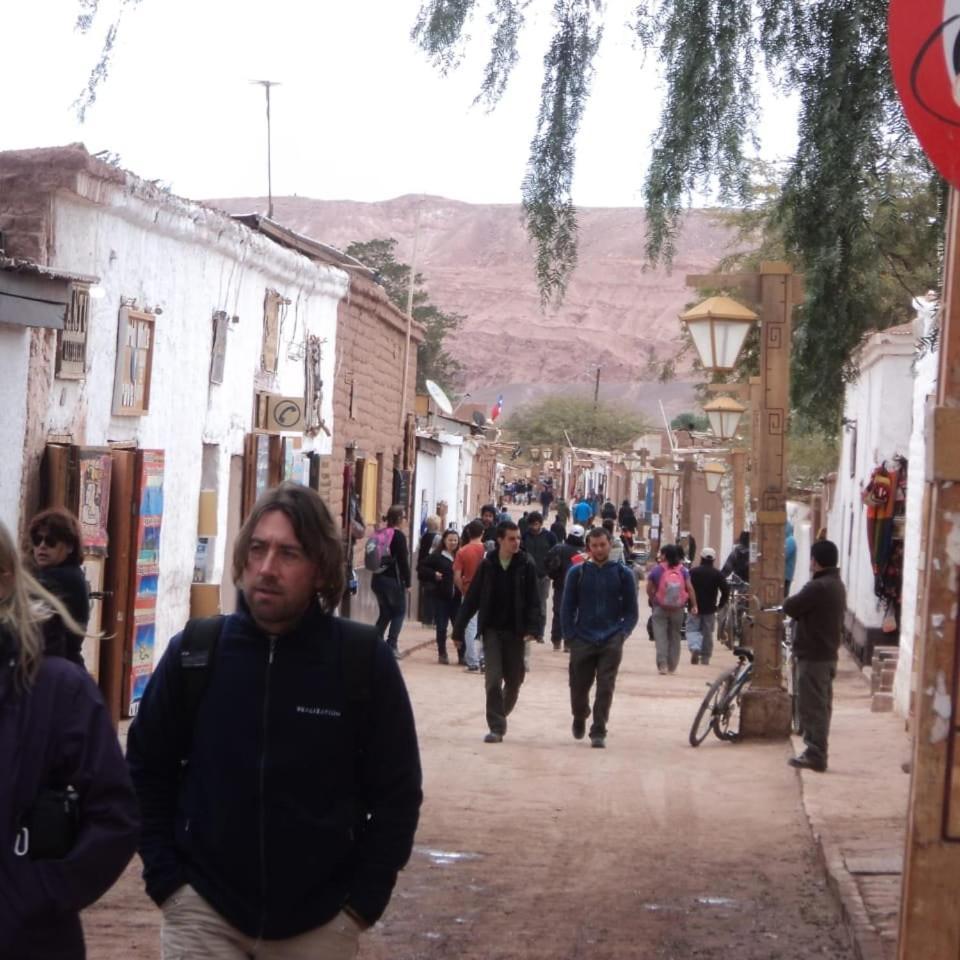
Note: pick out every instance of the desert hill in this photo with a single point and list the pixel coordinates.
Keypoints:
(477, 261)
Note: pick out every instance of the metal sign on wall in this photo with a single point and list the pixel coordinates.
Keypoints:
(280, 414)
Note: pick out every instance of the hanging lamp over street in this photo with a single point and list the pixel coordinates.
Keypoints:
(724, 415)
(718, 327)
(712, 474)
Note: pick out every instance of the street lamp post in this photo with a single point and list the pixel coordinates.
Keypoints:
(715, 327)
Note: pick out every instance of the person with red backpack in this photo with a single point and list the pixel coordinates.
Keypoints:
(669, 592)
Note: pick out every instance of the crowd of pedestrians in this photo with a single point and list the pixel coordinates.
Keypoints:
(282, 734)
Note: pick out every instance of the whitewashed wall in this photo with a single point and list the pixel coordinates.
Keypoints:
(187, 262)
(879, 404)
(14, 359)
(924, 387)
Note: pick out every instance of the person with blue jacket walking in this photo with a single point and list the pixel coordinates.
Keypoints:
(789, 558)
(277, 816)
(599, 612)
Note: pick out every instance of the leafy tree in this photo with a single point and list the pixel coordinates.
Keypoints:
(897, 260)
(551, 420)
(836, 192)
(690, 421)
(433, 361)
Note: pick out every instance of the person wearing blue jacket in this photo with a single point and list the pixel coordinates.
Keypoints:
(58, 752)
(599, 612)
(789, 558)
(278, 826)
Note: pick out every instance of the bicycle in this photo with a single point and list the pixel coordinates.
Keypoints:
(735, 612)
(721, 705)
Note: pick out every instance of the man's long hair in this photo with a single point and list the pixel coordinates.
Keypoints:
(314, 528)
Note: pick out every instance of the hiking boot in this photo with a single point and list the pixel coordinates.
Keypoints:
(695, 656)
(473, 668)
(492, 737)
(805, 762)
(579, 728)
(598, 742)
(443, 658)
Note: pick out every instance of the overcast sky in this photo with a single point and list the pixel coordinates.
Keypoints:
(360, 113)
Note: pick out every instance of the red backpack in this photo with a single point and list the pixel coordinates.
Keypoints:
(672, 593)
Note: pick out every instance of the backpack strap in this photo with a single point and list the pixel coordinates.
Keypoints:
(358, 643)
(198, 648)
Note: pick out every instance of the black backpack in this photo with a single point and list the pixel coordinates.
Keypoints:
(198, 648)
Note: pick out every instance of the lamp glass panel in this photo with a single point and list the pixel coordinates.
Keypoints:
(700, 331)
(712, 478)
(729, 336)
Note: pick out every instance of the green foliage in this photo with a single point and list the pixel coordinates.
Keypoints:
(602, 426)
(813, 454)
(690, 421)
(548, 206)
(857, 211)
(433, 361)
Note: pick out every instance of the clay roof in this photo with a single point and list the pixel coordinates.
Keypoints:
(16, 265)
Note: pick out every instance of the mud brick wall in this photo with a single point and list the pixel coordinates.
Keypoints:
(371, 338)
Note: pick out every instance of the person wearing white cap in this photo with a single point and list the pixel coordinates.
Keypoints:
(708, 583)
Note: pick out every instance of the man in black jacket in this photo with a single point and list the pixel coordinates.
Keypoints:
(557, 563)
(819, 610)
(538, 543)
(712, 591)
(284, 808)
(505, 598)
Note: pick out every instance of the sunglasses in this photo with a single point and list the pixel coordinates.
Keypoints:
(49, 539)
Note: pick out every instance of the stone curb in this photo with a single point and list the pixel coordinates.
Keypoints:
(864, 938)
(867, 944)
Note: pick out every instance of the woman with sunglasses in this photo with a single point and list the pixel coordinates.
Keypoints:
(68, 813)
(57, 546)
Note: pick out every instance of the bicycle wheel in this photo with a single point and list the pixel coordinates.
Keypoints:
(706, 715)
(727, 723)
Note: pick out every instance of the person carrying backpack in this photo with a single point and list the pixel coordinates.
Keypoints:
(388, 558)
(669, 592)
(279, 794)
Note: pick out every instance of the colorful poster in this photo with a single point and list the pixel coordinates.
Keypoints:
(94, 506)
(146, 572)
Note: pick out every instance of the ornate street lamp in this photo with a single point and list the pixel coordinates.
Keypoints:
(724, 414)
(718, 327)
(669, 479)
(712, 474)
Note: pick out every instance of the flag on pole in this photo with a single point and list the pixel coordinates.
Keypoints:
(497, 408)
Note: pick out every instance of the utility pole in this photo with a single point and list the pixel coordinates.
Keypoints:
(267, 84)
(410, 286)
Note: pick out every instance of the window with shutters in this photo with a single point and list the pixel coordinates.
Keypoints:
(274, 308)
(72, 339)
(131, 385)
(218, 355)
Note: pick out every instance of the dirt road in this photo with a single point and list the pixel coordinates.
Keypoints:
(541, 847)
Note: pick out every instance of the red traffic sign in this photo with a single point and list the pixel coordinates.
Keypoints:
(924, 41)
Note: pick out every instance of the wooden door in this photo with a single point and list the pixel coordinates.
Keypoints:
(114, 656)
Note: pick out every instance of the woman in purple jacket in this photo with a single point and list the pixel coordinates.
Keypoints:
(68, 814)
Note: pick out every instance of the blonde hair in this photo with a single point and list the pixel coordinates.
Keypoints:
(25, 609)
(433, 523)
